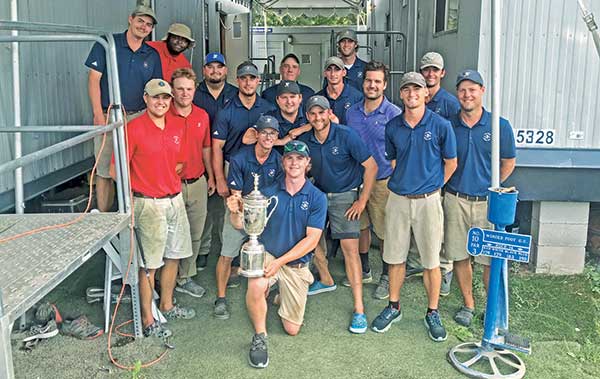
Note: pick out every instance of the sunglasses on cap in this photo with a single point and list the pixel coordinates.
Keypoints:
(295, 147)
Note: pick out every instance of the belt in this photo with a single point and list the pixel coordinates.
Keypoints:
(189, 181)
(298, 265)
(170, 196)
(422, 195)
(467, 197)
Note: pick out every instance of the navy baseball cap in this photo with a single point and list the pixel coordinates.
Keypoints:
(471, 75)
(296, 147)
(214, 57)
(267, 122)
(288, 86)
(291, 55)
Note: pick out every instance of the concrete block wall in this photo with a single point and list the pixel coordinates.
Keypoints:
(559, 236)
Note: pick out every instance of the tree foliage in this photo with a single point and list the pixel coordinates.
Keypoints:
(274, 19)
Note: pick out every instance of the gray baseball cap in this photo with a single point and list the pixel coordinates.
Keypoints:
(336, 61)
(471, 75)
(432, 59)
(142, 10)
(288, 86)
(267, 122)
(317, 100)
(412, 78)
(348, 33)
(247, 68)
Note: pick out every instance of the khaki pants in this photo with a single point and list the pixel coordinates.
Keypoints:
(195, 198)
(374, 213)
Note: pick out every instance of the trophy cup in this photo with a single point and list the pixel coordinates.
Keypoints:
(252, 254)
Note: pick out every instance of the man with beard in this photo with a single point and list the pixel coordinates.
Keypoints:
(230, 125)
(347, 47)
(137, 64)
(171, 48)
(289, 69)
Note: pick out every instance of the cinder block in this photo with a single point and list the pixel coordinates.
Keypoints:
(561, 212)
(546, 234)
(558, 260)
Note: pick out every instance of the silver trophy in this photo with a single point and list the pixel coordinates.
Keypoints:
(252, 255)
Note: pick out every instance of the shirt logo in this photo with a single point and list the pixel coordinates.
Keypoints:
(145, 64)
(94, 63)
(199, 125)
(359, 74)
(233, 183)
(347, 105)
(304, 205)
(427, 136)
(438, 110)
(216, 133)
(335, 150)
(487, 137)
(176, 139)
(271, 172)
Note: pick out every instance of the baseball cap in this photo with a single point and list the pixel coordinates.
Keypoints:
(288, 86)
(432, 59)
(412, 78)
(180, 30)
(336, 61)
(296, 147)
(156, 87)
(142, 10)
(267, 122)
(291, 55)
(317, 100)
(214, 57)
(348, 33)
(471, 75)
(247, 68)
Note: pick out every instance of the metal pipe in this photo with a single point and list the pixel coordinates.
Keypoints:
(48, 129)
(47, 151)
(496, 30)
(19, 191)
(23, 26)
(54, 38)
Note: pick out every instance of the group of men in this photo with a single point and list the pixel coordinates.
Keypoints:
(344, 159)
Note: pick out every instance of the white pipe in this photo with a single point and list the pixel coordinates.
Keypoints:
(496, 26)
(19, 193)
(415, 33)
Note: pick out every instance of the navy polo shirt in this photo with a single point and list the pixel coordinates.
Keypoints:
(444, 103)
(244, 163)
(347, 98)
(135, 69)
(287, 226)
(354, 74)
(419, 153)
(233, 121)
(285, 126)
(473, 176)
(337, 163)
(206, 101)
(270, 94)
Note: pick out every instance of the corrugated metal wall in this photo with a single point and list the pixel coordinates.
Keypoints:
(550, 68)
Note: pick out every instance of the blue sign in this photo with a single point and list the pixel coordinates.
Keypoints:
(495, 244)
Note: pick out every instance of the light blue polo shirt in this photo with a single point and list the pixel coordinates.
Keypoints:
(473, 176)
(244, 163)
(419, 153)
(337, 163)
(444, 103)
(233, 121)
(371, 128)
(135, 69)
(347, 98)
(287, 226)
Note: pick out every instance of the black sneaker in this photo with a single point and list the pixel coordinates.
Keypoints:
(433, 323)
(201, 262)
(258, 357)
(385, 319)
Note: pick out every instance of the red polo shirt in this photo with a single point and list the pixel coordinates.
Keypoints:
(153, 155)
(195, 138)
(169, 62)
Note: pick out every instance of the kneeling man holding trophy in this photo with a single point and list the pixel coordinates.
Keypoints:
(288, 235)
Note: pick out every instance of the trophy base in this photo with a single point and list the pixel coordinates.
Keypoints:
(252, 273)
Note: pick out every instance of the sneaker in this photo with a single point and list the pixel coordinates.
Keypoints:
(46, 312)
(221, 310)
(464, 316)
(413, 271)
(191, 288)
(433, 323)
(366, 278)
(38, 332)
(201, 262)
(258, 357)
(385, 319)
(359, 323)
(318, 287)
(81, 328)
(234, 281)
(446, 281)
(179, 312)
(157, 330)
(383, 288)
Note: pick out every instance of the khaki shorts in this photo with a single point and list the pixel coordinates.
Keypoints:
(425, 218)
(461, 215)
(163, 230)
(105, 156)
(374, 213)
(293, 290)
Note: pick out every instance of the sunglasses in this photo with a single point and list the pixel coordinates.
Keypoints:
(295, 147)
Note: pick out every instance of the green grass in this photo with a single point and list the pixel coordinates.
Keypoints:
(560, 315)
